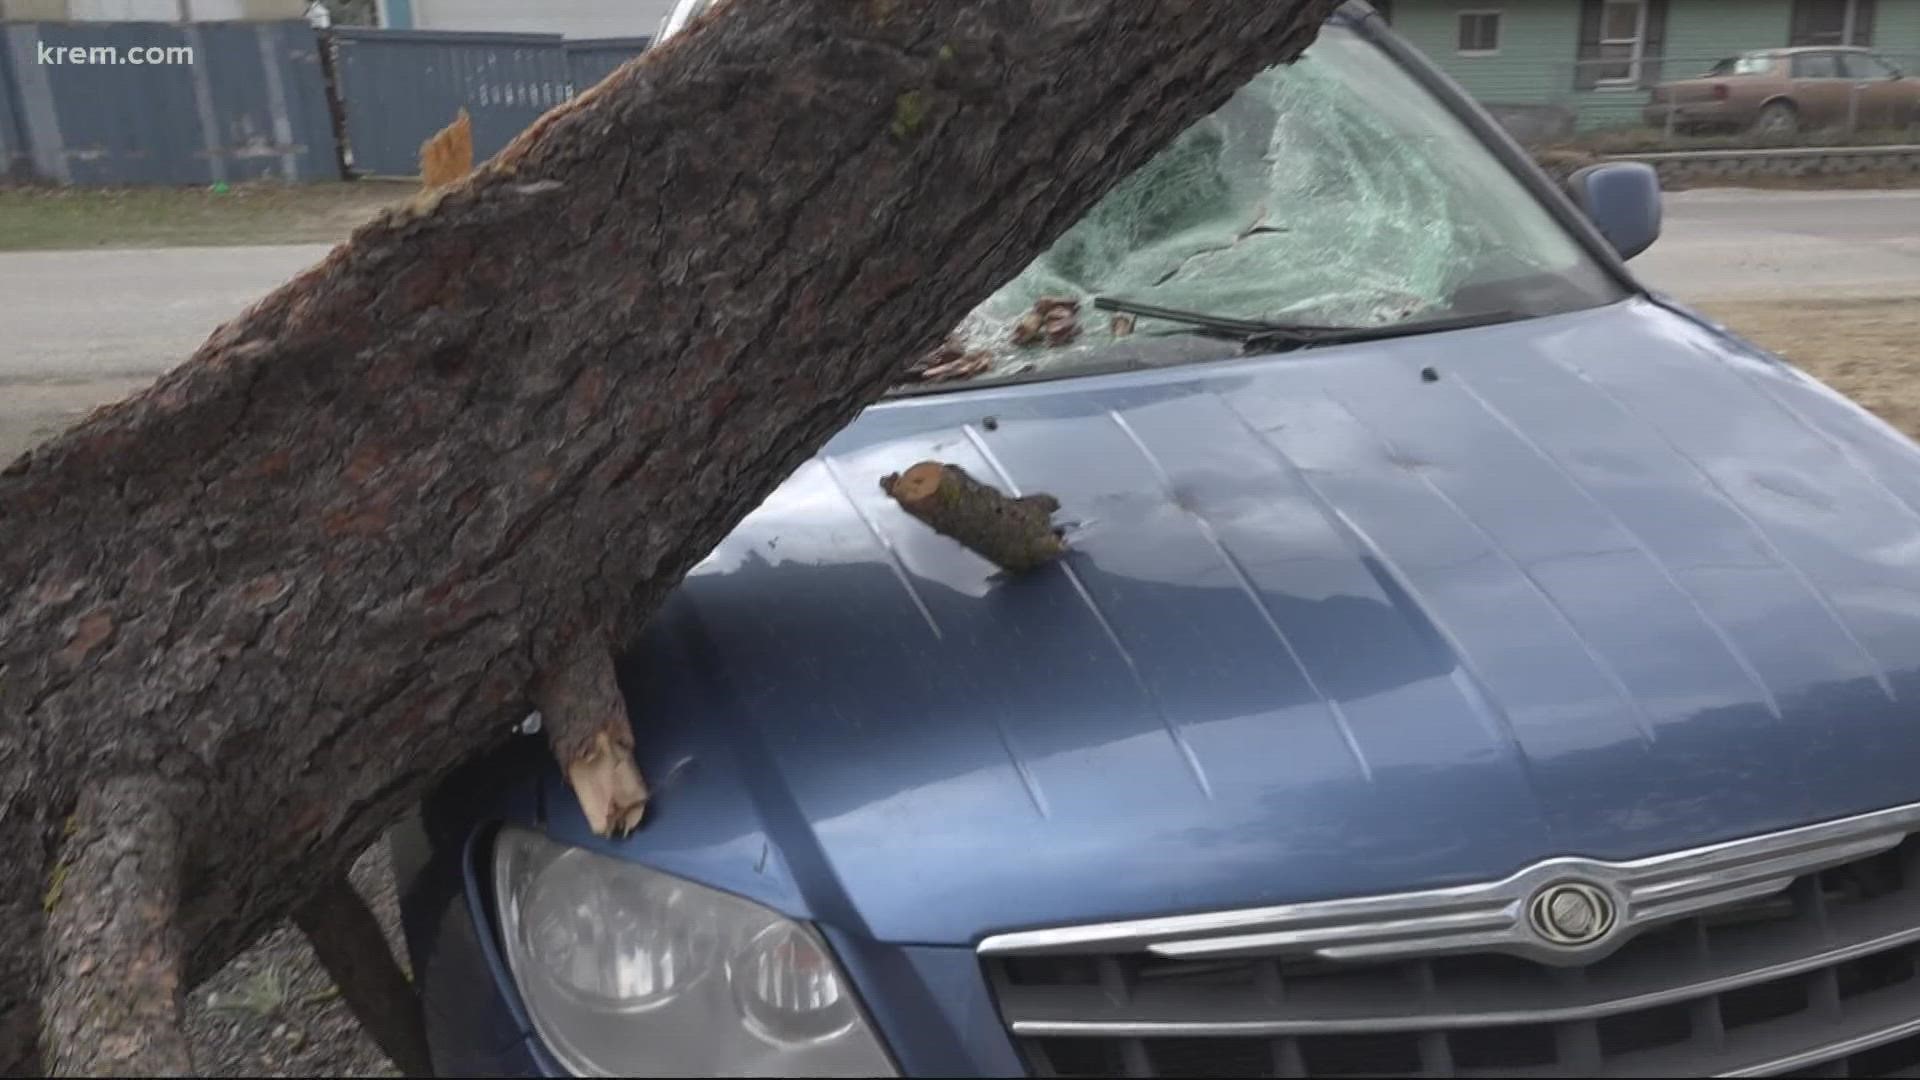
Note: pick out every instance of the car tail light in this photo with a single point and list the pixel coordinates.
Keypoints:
(1720, 91)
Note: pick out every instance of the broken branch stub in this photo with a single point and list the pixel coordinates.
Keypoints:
(1016, 534)
(447, 155)
(586, 720)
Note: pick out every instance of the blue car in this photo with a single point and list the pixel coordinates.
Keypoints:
(1466, 662)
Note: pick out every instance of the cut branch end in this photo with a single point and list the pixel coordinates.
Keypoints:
(1014, 533)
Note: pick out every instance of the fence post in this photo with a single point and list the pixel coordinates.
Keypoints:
(336, 111)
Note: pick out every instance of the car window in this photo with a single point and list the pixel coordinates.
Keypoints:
(1747, 64)
(1336, 190)
(1864, 66)
(1815, 66)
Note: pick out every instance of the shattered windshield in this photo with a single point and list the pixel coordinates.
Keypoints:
(1334, 191)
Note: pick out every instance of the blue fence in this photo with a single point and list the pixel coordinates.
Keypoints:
(397, 87)
(133, 103)
(163, 103)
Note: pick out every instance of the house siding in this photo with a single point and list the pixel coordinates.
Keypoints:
(1540, 39)
(1896, 31)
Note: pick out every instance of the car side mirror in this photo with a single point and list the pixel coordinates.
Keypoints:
(1622, 199)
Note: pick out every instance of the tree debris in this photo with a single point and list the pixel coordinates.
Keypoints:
(447, 155)
(951, 360)
(1015, 534)
(585, 717)
(252, 612)
(1054, 320)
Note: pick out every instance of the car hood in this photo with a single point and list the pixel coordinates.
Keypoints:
(1363, 619)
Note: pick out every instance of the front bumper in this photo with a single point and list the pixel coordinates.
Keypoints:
(931, 1005)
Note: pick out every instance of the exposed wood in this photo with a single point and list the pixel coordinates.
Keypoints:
(447, 155)
(586, 723)
(350, 540)
(1016, 534)
(348, 941)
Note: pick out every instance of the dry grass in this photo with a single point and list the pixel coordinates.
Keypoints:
(43, 218)
(1866, 348)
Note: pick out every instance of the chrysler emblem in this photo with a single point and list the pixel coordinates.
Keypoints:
(1571, 913)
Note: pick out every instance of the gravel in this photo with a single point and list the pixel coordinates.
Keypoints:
(274, 1012)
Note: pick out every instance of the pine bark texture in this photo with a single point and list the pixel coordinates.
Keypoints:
(249, 614)
(1015, 534)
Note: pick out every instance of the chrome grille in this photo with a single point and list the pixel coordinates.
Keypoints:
(1818, 975)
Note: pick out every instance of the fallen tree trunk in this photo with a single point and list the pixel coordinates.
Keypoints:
(247, 615)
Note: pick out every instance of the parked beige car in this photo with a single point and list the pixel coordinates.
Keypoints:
(1781, 91)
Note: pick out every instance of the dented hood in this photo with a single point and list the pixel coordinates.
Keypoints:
(1603, 584)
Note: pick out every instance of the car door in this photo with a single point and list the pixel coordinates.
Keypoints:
(1886, 99)
(1820, 91)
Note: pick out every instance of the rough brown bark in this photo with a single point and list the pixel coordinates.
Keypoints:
(348, 942)
(113, 948)
(343, 546)
(1015, 534)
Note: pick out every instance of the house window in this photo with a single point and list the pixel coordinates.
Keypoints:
(1621, 43)
(1832, 22)
(1623, 38)
(1479, 33)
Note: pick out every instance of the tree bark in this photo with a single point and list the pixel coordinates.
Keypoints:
(249, 614)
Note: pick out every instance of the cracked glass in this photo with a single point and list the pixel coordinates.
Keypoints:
(1335, 190)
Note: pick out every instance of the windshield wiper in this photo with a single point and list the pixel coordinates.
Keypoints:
(1217, 325)
(1259, 335)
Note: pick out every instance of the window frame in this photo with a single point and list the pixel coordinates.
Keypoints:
(1498, 15)
(1832, 54)
(1638, 44)
(1880, 69)
(1854, 15)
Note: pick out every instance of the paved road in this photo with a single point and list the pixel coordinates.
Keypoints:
(1722, 243)
(81, 328)
(78, 328)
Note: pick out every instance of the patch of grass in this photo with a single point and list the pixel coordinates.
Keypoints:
(46, 218)
(262, 994)
(1860, 346)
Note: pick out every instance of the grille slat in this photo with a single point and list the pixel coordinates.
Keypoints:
(1821, 977)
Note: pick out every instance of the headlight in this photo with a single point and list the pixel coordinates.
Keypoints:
(631, 972)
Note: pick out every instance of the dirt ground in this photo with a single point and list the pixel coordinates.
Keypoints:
(1866, 348)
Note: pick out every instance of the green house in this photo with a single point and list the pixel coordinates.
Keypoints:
(1590, 62)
